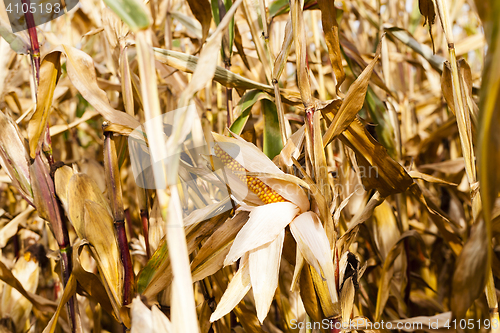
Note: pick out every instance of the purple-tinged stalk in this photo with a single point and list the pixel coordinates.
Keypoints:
(49, 208)
(145, 229)
(115, 197)
(35, 47)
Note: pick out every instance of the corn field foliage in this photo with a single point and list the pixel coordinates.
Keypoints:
(251, 166)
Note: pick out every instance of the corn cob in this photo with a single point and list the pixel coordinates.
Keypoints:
(257, 186)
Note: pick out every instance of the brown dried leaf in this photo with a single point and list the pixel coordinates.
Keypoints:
(81, 72)
(331, 30)
(471, 271)
(299, 38)
(201, 10)
(353, 101)
(49, 75)
(38, 302)
(14, 157)
(210, 258)
(380, 171)
(427, 10)
(69, 291)
(100, 233)
(81, 188)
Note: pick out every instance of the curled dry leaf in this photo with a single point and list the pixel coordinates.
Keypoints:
(299, 39)
(14, 156)
(331, 30)
(471, 271)
(14, 305)
(39, 302)
(201, 10)
(101, 235)
(81, 72)
(50, 71)
(210, 257)
(353, 101)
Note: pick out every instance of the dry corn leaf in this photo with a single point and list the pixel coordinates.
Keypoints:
(50, 71)
(99, 232)
(80, 188)
(10, 229)
(388, 272)
(201, 10)
(299, 39)
(353, 101)
(205, 68)
(471, 271)
(406, 38)
(126, 81)
(39, 302)
(321, 172)
(81, 72)
(13, 304)
(331, 30)
(193, 27)
(189, 63)
(89, 281)
(428, 178)
(385, 228)
(14, 157)
(210, 258)
(157, 274)
(69, 291)
(281, 58)
(380, 171)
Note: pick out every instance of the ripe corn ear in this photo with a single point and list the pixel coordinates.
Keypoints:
(257, 186)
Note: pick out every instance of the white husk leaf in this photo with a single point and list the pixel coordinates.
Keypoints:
(236, 290)
(264, 225)
(161, 323)
(142, 320)
(264, 273)
(315, 247)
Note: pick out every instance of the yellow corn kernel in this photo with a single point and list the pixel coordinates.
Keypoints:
(263, 191)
